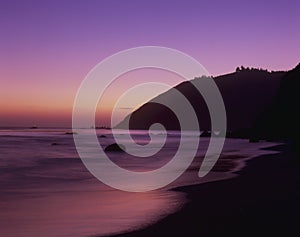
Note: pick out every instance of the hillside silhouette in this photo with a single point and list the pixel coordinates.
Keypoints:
(247, 93)
(281, 119)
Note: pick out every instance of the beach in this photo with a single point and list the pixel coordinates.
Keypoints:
(262, 200)
(49, 192)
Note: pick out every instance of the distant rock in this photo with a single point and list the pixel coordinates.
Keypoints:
(205, 134)
(218, 134)
(253, 140)
(70, 133)
(115, 148)
(103, 127)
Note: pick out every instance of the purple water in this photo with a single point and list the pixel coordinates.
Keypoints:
(47, 191)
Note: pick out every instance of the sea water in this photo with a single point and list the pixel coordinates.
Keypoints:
(47, 191)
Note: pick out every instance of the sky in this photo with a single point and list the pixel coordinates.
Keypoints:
(48, 47)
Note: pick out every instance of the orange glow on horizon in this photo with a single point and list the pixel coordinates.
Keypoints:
(44, 105)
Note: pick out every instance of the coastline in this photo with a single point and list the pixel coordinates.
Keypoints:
(264, 198)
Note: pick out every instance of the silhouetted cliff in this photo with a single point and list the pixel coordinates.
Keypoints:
(246, 93)
(281, 119)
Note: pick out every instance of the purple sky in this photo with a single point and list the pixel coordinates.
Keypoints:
(47, 47)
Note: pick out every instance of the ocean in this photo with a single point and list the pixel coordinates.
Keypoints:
(46, 190)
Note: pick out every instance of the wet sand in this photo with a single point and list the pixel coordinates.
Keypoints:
(263, 199)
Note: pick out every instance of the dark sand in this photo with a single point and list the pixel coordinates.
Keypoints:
(263, 200)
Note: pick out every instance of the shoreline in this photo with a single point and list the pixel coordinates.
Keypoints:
(264, 198)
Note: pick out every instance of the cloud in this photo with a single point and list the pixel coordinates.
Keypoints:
(126, 108)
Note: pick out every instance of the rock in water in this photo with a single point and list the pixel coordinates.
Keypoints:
(115, 148)
(253, 140)
(205, 134)
(70, 133)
